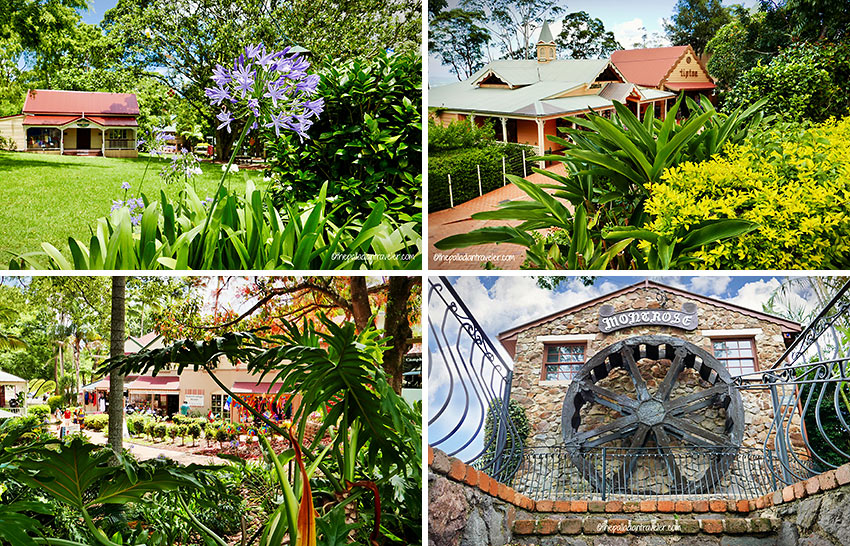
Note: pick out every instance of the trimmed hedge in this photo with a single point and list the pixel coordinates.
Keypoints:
(461, 165)
(39, 410)
(96, 422)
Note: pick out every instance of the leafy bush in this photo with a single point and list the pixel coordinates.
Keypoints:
(462, 164)
(55, 402)
(160, 429)
(136, 424)
(794, 183)
(39, 410)
(458, 135)
(807, 81)
(96, 422)
(367, 144)
(149, 425)
(194, 430)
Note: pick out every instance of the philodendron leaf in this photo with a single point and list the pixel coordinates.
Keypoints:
(715, 230)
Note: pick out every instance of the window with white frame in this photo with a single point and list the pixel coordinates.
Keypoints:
(561, 362)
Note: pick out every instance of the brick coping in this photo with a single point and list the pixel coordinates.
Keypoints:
(456, 470)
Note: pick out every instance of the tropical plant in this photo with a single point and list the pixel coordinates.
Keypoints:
(612, 165)
(373, 434)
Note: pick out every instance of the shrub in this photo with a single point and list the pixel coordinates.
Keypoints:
(181, 432)
(461, 165)
(54, 402)
(459, 134)
(96, 422)
(807, 81)
(194, 430)
(149, 426)
(793, 182)
(39, 410)
(366, 145)
(136, 424)
(160, 429)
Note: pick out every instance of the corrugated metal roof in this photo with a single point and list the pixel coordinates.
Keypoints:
(535, 82)
(647, 66)
(49, 120)
(617, 91)
(46, 101)
(6, 377)
(114, 121)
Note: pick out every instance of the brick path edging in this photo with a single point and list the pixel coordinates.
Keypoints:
(456, 470)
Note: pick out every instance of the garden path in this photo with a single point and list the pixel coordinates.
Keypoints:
(144, 453)
(444, 223)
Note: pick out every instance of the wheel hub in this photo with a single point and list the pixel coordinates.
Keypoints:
(651, 412)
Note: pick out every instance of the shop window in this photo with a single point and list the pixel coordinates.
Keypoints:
(739, 355)
(119, 139)
(218, 407)
(562, 362)
(43, 138)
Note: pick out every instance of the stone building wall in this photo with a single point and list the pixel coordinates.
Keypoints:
(543, 400)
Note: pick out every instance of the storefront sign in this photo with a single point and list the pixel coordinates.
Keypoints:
(83, 124)
(609, 321)
(195, 400)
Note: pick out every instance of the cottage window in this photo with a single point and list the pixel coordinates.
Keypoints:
(562, 362)
(43, 138)
(738, 355)
(218, 407)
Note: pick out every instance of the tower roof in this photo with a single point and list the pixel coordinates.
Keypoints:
(545, 34)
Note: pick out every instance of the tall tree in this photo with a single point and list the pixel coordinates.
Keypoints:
(695, 22)
(584, 37)
(458, 39)
(116, 380)
(513, 22)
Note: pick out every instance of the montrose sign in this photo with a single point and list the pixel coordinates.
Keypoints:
(610, 321)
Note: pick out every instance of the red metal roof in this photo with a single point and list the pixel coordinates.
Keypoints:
(49, 120)
(686, 86)
(41, 101)
(147, 383)
(249, 387)
(647, 66)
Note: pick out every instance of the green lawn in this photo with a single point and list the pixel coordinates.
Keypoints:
(48, 198)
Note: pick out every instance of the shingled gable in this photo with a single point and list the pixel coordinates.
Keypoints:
(653, 67)
(508, 337)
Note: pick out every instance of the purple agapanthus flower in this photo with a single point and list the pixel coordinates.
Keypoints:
(221, 75)
(278, 121)
(253, 51)
(217, 94)
(125, 185)
(225, 118)
(254, 105)
(244, 78)
(116, 204)
(275, 93)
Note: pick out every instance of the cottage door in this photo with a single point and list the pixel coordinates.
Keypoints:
(2, 396)
(83, 139)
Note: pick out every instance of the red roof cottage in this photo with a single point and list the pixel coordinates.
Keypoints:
(75, 123)
(676, 69)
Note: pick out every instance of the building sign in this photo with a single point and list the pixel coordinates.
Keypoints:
(195, 400)
(688, 73)
(609, 321)
(82, 124)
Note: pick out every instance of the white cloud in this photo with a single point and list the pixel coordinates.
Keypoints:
(629, 32)
(754, 295)
(710, 285)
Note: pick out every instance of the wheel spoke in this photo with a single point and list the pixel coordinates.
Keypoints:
(672, 375)
(662, 440)
(616, 429)
(697, 400)
(607, 397)
(624, 475)
(632, 367)
(693, 432)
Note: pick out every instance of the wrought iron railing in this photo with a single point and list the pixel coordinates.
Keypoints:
(469, 388)
(809, 388)
(561, 473)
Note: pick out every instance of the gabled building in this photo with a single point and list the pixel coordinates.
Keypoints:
(526, 99)
(676, 69)
(75, 123)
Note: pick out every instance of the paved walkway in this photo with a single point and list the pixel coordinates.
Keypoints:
(144, 453)
(444, 223)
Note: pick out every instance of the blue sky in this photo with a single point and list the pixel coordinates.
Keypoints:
(500, 303)
(623, 18)
(96, 10)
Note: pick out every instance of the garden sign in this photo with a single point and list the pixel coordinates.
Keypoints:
(609, 321)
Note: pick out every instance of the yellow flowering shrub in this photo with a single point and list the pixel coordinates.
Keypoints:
(794, 183)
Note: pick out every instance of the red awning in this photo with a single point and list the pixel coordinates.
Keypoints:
(155, 385)
(682, 86)
(103, 384)
(50, 120)
(113, 121)
(249, 387)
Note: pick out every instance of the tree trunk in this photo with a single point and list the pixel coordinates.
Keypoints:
(56, 373)
(397, 325)
(116, 380)
(77, 366)
(360, 306)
